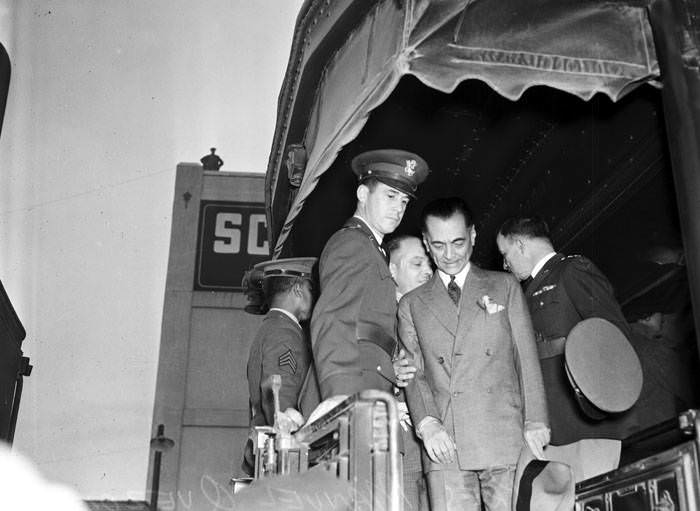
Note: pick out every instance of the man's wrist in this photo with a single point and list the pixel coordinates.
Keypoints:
(425, 421)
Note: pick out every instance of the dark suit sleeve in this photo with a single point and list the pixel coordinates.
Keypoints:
(419, 396)
(286, 355)
(343, 271)
(527, 360)
(592, 294)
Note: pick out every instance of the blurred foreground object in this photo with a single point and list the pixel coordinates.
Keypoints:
(22, 487)
(352, 450)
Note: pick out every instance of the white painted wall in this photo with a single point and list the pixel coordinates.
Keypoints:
(106, 97)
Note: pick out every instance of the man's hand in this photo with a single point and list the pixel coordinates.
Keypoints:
(537, 436)
(403, 369)
(326, 406)
(289, 420)
(437, 442)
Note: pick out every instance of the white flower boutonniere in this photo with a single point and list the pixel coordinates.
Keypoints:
(487, 304)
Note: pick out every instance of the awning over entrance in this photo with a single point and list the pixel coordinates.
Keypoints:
(582, 48)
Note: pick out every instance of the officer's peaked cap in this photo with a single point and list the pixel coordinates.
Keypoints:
(399, 169)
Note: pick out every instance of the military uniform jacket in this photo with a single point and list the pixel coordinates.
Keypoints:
(279, 347)
(569, 289)
(478, 371)
(353, 327)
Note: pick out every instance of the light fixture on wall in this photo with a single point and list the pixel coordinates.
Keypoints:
(296, 164)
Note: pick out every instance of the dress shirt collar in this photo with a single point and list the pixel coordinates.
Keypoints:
(459, 278)
(540, 264)
(286, 313)
(376, 235)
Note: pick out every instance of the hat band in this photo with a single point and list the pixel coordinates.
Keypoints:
(587, 406)
(285, 273)
(380, 166)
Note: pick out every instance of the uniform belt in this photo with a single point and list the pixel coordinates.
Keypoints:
(548, 348)
(376, 336)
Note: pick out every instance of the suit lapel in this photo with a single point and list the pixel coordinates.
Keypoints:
(535, 283)
(475, 287)
(438, 301)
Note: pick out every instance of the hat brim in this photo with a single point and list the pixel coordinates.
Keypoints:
(394, 183)
(542, 485)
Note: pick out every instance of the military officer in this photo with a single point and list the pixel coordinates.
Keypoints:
(353, 327)
(563, 291)
(280, 345)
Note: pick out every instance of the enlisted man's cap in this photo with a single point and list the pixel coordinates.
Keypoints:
(290, 267)
(602, 367)
(399, 169)
(253, 279)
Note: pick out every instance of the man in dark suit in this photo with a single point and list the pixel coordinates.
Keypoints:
(353, 327)
(410, 267)
(564, 290)
(280, 345)
(478, 389)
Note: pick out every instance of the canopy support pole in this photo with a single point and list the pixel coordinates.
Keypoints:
(676, 28)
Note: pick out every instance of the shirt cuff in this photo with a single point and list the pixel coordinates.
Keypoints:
(428, 419)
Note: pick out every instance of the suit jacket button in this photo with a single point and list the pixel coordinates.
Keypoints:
(488, 352)
(441, 360)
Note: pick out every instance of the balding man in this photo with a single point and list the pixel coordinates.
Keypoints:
(564, 290)
(410, 267)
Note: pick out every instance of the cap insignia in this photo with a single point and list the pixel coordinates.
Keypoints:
(410, 167)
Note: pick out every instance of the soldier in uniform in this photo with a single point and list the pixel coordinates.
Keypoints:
(353, 327)
(562, 291)
(280, 345)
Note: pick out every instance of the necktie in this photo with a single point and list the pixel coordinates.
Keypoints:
(453, 290)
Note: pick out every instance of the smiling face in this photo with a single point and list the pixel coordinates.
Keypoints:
(410, 265)
(381, 206)
(515, 259)
(449, 241)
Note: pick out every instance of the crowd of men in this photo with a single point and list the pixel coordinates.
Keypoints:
(475, 358)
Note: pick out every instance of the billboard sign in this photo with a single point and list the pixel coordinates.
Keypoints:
(232, 237)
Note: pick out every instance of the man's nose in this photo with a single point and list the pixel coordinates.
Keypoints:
(448, 251)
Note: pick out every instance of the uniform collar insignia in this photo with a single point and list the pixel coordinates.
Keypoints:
(544, 289)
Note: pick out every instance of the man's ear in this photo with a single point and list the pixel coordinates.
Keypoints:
(521, 244)
(392, 270)
(362, 192)
(472, 234)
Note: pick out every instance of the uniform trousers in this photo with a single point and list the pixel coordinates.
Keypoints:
(453, 489)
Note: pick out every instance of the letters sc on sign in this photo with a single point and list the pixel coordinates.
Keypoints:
(232, 237)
